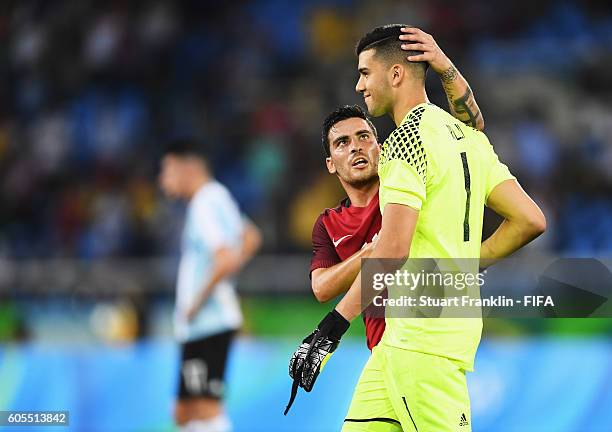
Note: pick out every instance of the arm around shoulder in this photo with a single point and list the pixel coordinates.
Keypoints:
(328, 283)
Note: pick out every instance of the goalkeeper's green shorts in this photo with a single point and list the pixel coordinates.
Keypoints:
(401, 390)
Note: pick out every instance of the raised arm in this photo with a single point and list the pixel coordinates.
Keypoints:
(461, 100)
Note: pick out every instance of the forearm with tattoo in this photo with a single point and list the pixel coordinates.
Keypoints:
(449, 75)
(460, 98)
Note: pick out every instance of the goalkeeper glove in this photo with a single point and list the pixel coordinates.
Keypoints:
(308, 360)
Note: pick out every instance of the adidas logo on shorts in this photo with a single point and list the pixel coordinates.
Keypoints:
(463, 420)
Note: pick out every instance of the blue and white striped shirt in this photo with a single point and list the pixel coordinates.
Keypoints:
(213, 221)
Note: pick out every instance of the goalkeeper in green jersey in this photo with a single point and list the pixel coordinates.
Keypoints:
(436, 175)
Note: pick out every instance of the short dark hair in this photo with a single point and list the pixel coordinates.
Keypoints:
(185, 147)
(385, 39)
(339, 114)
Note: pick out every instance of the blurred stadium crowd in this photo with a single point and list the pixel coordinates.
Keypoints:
(95, 90)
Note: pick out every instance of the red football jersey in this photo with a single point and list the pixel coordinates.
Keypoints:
(340, 232)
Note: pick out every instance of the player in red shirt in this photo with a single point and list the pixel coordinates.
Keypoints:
(343, 235)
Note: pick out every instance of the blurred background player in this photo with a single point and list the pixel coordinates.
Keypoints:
(343, 235)
(216, 242)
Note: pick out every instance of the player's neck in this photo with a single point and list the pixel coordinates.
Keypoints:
(361, 196)
(407, 99)
(197, 182)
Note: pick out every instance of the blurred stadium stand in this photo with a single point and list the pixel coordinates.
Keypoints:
(88, 246)
(96, 90)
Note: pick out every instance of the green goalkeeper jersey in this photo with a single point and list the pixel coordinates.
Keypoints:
(444, 169)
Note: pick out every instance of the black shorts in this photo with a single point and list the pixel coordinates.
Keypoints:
(202, 370)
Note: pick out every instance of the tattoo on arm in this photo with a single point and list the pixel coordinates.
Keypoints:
(462, 106)
(449, 75)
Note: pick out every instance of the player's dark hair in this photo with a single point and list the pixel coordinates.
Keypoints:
(185, 147)
(339, 114)
(385, 40)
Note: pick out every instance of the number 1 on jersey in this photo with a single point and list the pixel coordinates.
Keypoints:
(468, 193)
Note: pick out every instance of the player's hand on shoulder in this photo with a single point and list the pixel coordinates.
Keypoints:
(415, 39)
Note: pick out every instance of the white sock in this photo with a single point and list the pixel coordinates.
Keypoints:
(216, 424)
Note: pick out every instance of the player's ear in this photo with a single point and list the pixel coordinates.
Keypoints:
(330, 165)
(397, 73)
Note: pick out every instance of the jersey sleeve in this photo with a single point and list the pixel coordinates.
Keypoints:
(403, 166)
(499, 173)
(324, 253)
